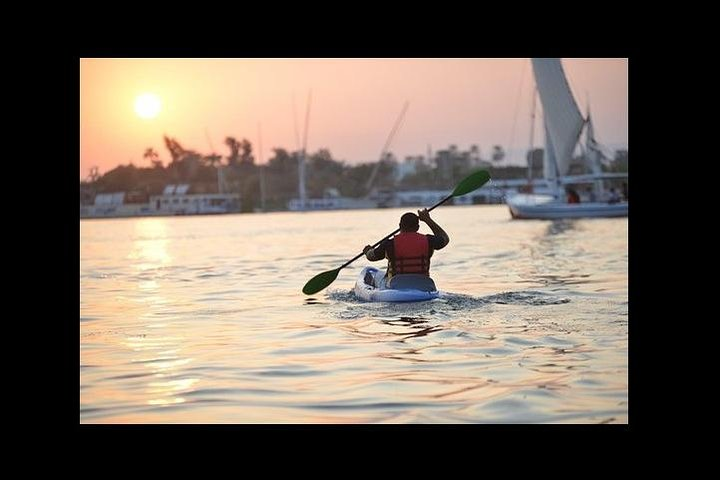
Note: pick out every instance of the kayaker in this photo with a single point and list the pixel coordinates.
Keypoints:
(409, 251)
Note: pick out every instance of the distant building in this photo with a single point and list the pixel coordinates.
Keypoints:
(452, 162)
(331, 203)
(174, 201)
(181, 189)
(407, 167)
(105, 199)
(424, 198)
(195, 204)
(113, 205)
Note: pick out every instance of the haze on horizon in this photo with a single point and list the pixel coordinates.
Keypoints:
(355, 103)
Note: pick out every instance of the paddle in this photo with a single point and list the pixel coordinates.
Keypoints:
(467, 185)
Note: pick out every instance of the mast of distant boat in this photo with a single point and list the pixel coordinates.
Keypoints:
(261, 165)
(385, 148)
(532, 136)
(593, 153)
(301, 169)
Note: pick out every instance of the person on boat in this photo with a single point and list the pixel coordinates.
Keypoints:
(572, 195)
(625, 191)
(409, 251)
(591, 195)
(613, 197)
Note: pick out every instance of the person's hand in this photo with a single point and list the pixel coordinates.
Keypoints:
(424, 215)
(366, 249)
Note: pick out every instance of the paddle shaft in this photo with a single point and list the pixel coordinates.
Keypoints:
(393, 233)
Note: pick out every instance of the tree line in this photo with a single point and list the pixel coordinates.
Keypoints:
(278, 178)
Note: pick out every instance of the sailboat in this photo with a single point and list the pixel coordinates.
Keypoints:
(564, 125)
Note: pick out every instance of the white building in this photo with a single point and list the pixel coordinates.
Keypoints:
(195, 204)
(173, 201)
(113, 205)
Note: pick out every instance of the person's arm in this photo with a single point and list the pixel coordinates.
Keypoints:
(424, 215)
(375, 254)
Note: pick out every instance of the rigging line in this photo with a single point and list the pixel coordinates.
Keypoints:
(307, 119)
(394, 130)
(297, 136)
(260, 152)
(517, 107)
(207, 136)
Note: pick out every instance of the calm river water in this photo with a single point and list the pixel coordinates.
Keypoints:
(201, 319)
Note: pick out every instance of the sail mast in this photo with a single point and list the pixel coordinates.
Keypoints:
(301, 172)
(593, 154)
(262, 169)
(532, 135)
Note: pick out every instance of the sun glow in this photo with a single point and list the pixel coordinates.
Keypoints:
(147, 105)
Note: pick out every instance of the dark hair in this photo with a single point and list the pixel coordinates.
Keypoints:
(409, 222)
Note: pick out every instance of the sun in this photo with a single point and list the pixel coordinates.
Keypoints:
(147, 105)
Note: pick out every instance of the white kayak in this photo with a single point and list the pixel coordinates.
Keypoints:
(370, 286)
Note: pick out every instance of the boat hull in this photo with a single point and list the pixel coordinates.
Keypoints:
(546, 208)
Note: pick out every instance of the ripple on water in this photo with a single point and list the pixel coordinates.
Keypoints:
(346, 306)
(309, 350)
(288, 371)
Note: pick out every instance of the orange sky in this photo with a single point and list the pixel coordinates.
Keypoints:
(355, 103)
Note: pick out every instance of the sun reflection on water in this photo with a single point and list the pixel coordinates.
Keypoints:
(150, 247)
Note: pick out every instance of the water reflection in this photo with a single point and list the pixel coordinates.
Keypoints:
(557, 227)
(389, 329)
(159, 355)
(161, 358)
(313, 301)
(150, 246)
(557, 257)
(418, 327)
(181, 321)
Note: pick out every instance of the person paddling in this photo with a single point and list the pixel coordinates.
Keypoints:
(468, 184)
(408, 252)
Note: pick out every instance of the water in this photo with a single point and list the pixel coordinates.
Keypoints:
(201, 320)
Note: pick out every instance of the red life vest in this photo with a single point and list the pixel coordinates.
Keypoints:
(411, 254)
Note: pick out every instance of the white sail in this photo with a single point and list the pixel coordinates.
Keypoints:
(563, 120)
(563, 124)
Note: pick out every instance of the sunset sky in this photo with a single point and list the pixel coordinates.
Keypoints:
(355, 103)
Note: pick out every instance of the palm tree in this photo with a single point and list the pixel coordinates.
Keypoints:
(246, 158)
(234, 146)
(152, 155)
(177, 152)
